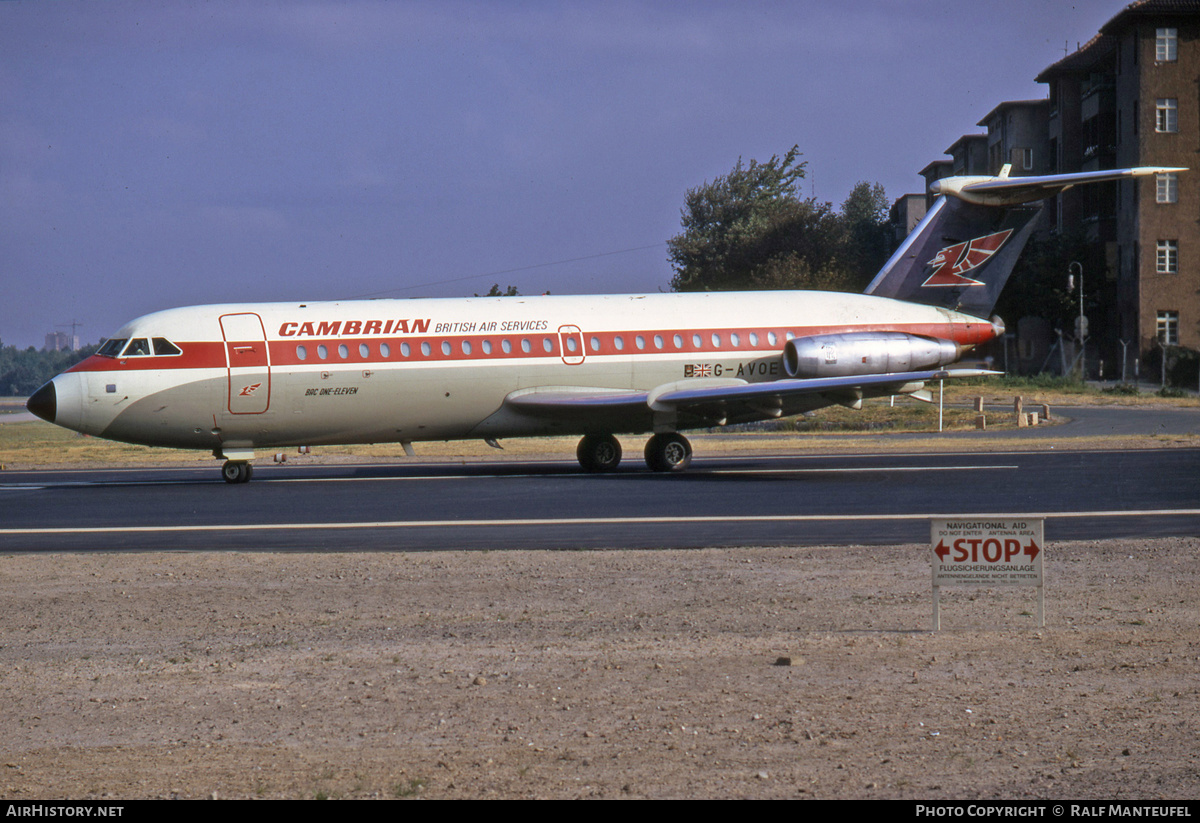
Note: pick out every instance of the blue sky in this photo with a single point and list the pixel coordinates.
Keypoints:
(156, 154)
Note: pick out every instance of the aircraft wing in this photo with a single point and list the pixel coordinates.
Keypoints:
(719, 401)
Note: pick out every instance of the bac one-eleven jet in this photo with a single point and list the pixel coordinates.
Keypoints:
(235, 378)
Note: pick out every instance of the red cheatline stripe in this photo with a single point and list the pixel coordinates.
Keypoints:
(212, 355)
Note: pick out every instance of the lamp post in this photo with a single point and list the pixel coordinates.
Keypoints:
(1081, 329)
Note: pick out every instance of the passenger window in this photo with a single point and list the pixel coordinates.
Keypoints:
(547, 345)
(506, 346)
(640, 342)
(385, 350)
(405, 350)
(658, 341)
(364, 350)
(446, 347)
(619, 342)
(322, 352)
(301, 353)
(678, 341)
(697, 342)
(425, 349)
(487, 346)
(343, 351)
(735, 340)
(525, 346)
(164, 346)
(753, 339)
(466, 347)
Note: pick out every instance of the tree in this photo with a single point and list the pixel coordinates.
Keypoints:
(22, 371)
(752, 229)
(725, 221)
(1038, 284)
(494, 291)
(868, 232)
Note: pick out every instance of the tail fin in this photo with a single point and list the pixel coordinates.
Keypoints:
(961, 254)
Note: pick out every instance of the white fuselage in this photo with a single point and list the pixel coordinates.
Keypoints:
(251, 376)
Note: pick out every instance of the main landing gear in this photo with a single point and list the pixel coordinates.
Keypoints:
(598, 453)
(666, 452)
(237, 471)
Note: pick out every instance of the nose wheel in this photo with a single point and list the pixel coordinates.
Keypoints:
(237, 471)
(599, 453)
(668, 452)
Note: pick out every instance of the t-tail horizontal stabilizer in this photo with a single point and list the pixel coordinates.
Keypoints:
(960, 256)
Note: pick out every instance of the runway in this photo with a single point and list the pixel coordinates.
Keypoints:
(732, 501)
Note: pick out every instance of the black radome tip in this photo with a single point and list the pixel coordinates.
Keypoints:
(44, 403)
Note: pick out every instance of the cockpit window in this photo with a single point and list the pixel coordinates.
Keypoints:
(112, 347)
(138, 347)
(164, 346)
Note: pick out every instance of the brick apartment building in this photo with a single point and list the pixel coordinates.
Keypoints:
(1128, 97)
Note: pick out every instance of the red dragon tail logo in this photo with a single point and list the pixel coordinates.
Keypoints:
(951, 263)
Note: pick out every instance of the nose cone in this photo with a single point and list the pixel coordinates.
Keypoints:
(44, 402)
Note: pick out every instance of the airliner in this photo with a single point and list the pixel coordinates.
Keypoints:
(232, 379)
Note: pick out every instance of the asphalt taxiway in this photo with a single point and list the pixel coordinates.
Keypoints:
(722, 501)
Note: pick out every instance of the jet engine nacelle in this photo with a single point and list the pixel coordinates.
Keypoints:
(840, 355)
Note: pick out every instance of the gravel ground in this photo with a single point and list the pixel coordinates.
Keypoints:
(597, 674)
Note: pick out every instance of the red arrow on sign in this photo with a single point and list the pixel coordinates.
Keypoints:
(1032, 550)
(942, 550)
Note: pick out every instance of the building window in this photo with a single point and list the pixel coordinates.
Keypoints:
(1167, 187)
(1020, 158)
(1166, 44)
(1168, 328)
(1166, 115)
(1168, 256)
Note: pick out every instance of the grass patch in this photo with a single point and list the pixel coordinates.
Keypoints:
(879, 416)
(1058, 391)
(1035, 382)
(42, 444)
(1172, 392)
(409, 788)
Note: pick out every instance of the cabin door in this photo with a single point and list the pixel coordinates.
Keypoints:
(570, 342)
(248, 362)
